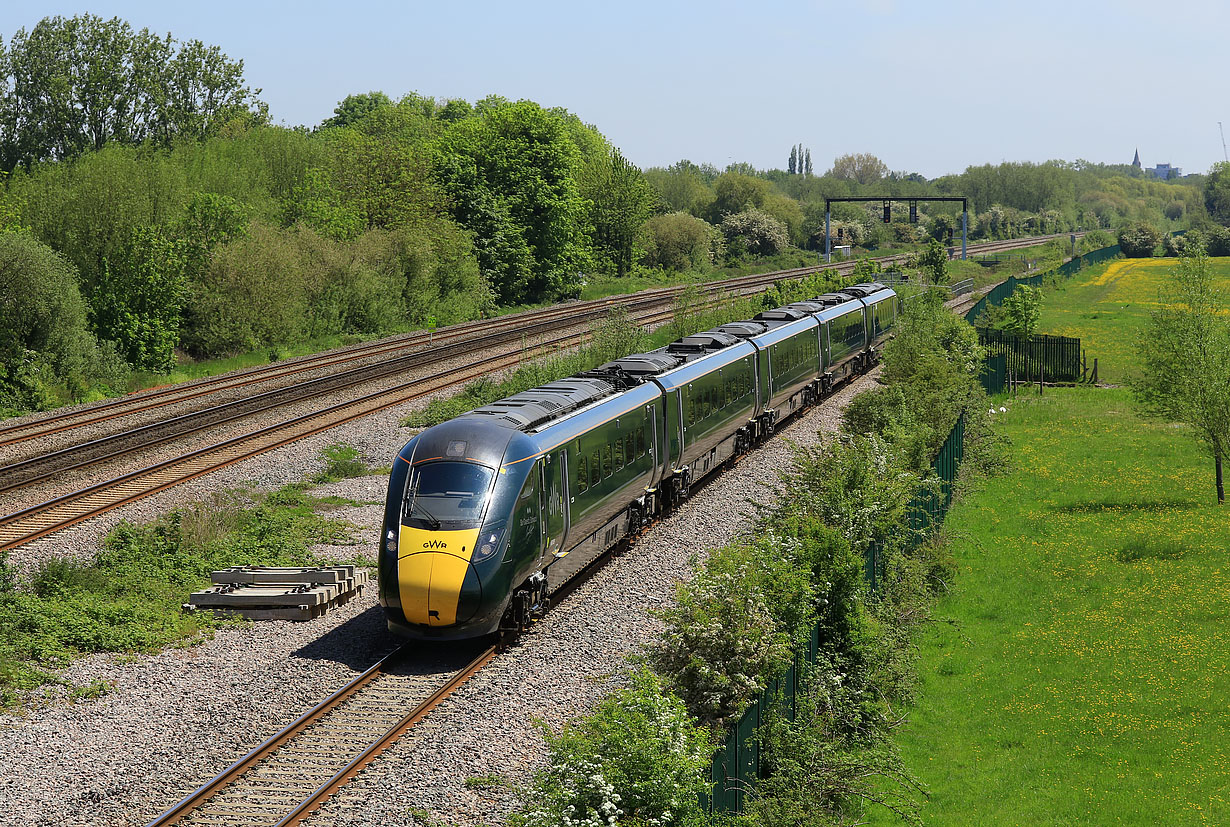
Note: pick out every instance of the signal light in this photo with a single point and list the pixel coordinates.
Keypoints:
(913, 212)
(840, 230)
(888, 212)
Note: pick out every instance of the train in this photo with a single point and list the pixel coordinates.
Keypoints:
(490, 513)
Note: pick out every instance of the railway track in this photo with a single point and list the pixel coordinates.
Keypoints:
(15, 434)
(287, 777)
(60, 512)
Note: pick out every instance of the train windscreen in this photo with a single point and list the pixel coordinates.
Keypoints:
(446, 495)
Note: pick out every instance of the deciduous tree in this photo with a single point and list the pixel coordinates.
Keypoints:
(1184, 351)
(861, 167)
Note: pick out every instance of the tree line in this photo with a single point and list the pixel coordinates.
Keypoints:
(188, 226)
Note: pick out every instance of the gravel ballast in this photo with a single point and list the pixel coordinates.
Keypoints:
(174, 720)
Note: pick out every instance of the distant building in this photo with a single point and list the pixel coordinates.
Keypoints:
(1136, 160)
(1164, 172)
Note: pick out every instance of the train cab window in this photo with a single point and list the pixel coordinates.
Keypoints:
(582, 474)
(640, 441)
(595, 468)
(620, 462)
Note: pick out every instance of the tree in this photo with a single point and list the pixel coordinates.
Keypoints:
(78, 83)
(862, 167)
(622, 200)
(1184, 351)
(794, 160)
(43, 333)
(807, 168)
(755, 232)
(1022, 310)
(681, 242)
(139, 299)
(1217, 192)
(1139, 239)
(510, 176)
(354, 108)
(934, 260)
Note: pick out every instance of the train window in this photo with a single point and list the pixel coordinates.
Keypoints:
(606, 460)
(582, 475)
(619, 454)
(640, 441)
(595, 468)
(629, 447)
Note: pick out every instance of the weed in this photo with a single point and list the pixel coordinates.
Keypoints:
(89, 691)
(490, 781)
(341, 462)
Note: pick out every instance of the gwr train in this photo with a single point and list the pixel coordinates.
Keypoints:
(489, 512)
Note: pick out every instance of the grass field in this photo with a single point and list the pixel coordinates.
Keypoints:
(1079, 673)
(1108, 305)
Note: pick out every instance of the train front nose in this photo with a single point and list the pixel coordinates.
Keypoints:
(437, 582)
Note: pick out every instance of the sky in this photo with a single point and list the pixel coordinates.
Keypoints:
(929, 86)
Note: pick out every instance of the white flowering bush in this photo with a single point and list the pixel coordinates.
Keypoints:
(730, 632)
(639, 759)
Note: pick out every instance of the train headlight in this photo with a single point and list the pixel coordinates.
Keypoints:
(390, 542)
(488, 544)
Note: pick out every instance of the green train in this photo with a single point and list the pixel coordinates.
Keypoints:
(487, 513)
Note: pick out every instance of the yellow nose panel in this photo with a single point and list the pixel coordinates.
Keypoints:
(431, 567)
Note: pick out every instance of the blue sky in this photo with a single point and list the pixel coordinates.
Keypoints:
(930, 86)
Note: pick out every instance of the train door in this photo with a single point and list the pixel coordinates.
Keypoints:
(554, 510)
(525, 544)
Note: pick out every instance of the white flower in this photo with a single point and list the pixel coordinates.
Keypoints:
(1002, 409)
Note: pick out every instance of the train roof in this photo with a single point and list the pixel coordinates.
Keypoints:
(529, 409)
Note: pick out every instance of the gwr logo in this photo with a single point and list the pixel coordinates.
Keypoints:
(435, 544)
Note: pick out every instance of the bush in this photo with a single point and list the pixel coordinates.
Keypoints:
(1139, 239)
(731, 629)
(1219, 241)
(681, 242)
(824, 766)
(754, 232)
(44, 340)
(341, 462)
(638, 759)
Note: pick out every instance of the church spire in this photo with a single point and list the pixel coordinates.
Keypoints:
(1136, 160)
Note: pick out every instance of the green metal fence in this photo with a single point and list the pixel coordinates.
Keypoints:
(1037, 356)
(737, 762)
(994, 376)
(1004, 289)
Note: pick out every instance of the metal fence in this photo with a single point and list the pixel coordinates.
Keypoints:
(1004, 289)
(994, 376)
(1037, 357)
(738, 762)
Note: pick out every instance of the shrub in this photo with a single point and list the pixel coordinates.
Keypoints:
(681, 242)
(1217, 241)
(638, 759)
(44, 341)
(341, 462)
(1139, 239)
(755, 232)
(722, 643)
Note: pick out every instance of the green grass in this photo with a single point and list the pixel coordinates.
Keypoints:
(1108, 305)
(128, 599)
(1080, 670)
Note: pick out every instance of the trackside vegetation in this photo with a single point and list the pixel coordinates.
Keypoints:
(193, 228)
(128, 598)
(733, 628)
